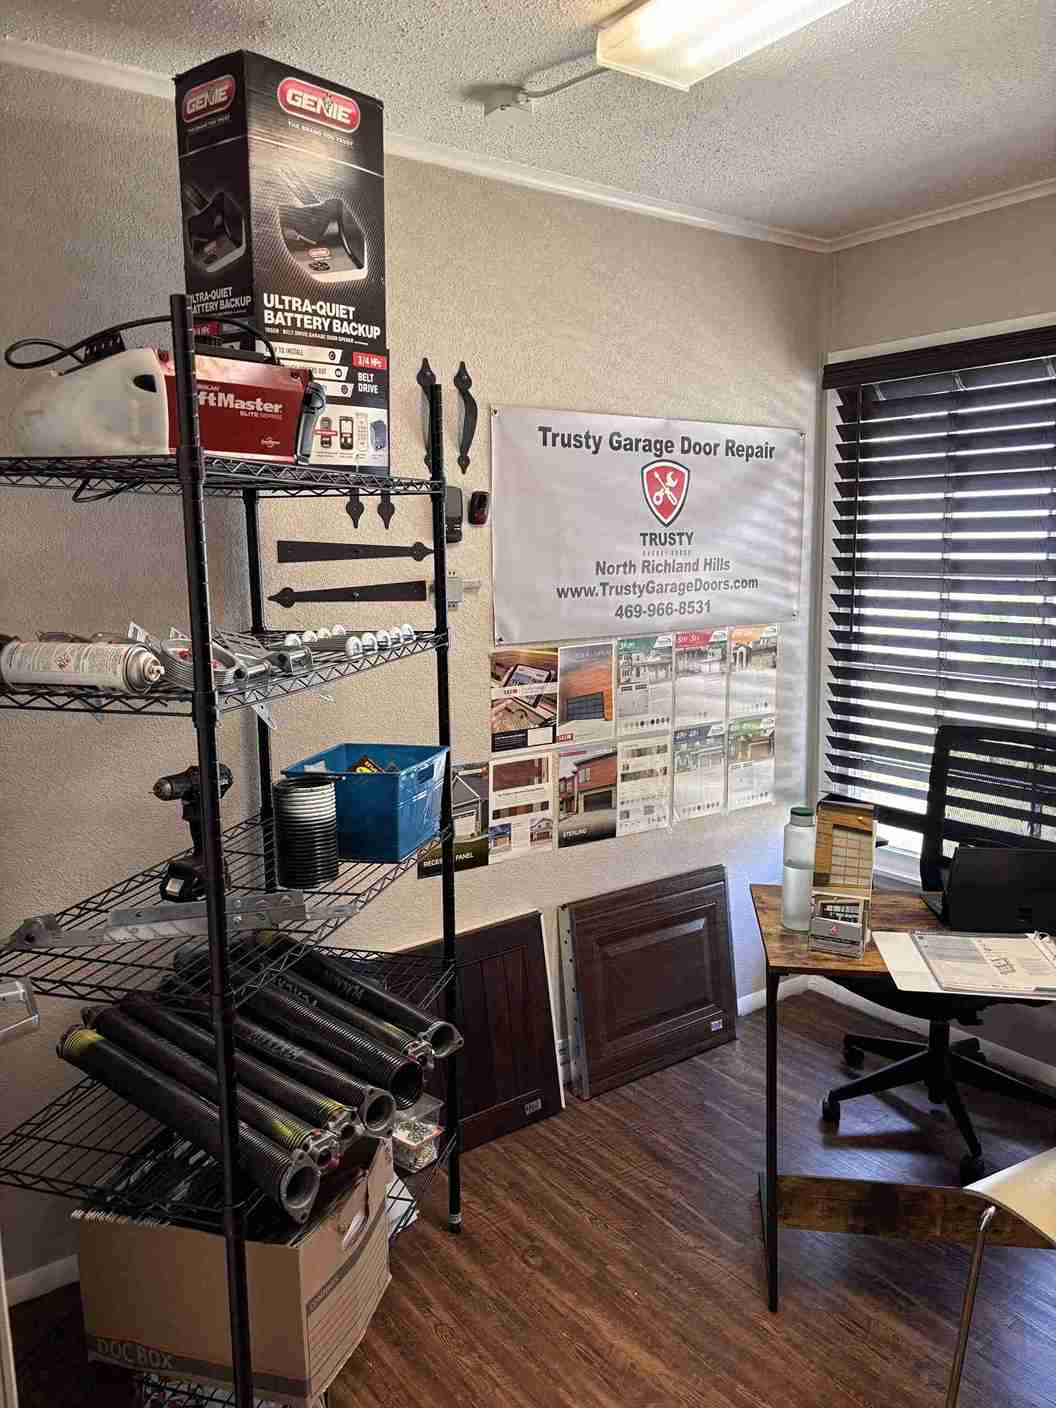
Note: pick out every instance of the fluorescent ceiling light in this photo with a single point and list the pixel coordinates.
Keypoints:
(679, 42)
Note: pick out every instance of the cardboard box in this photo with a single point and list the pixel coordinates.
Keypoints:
(155, 1297)
(283, 193)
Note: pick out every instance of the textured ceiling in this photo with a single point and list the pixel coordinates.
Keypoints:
(885, 110)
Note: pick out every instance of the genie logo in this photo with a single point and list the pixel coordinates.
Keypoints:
(302, 99)
(204, 99)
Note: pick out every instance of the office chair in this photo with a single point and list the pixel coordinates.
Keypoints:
(1027, 1189)
(988, 786)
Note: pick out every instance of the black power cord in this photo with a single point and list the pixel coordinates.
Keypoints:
(60, 351)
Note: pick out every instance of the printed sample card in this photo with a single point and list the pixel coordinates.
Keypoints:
(585, 692)
(586, 794)
(700, 771)
(644, 685)
(753, 671)
(643, 784)
(701, 675)
(521, 809)
(469, 812)
(523, 697)
(750, 763)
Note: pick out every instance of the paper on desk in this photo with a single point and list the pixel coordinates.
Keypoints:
(983, 965)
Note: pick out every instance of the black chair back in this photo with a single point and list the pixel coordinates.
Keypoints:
(989, 786)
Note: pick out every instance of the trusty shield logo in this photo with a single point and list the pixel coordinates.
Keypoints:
(665, 486)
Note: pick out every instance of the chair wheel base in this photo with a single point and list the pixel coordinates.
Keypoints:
(972, 1168)
(854, 1056)
(830, 1111)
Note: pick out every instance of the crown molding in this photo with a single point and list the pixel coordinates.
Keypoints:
(962, 211)
(129, 78)
(535, 178)
(23, 53)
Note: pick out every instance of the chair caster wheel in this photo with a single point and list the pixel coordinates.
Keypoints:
(972, 1169)
(830, 1111)
(854, 1056)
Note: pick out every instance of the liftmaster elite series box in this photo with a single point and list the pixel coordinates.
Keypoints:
(283, 192)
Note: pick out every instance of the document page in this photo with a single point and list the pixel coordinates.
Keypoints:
(1024, 964)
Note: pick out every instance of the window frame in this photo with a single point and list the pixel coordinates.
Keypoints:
(954, 350)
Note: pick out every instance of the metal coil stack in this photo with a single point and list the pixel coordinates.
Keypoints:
(322, 1057)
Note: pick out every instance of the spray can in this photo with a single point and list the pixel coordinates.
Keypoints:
(122, 667)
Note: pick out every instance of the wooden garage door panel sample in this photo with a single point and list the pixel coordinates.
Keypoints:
(653, 976)
(509, 1064)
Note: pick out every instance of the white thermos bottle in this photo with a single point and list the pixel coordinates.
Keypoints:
(800, 837)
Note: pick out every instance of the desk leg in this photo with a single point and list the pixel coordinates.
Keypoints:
(770, 1211)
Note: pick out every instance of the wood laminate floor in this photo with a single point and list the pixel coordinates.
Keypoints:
(612, 1256)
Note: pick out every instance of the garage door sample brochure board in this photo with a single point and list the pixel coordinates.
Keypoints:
(523, 697)
(470, 817)
(521, 811)
(607, 525)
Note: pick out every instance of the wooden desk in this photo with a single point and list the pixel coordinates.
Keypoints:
(912, 1211)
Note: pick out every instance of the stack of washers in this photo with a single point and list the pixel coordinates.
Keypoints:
(306, 831)
(323, 1057)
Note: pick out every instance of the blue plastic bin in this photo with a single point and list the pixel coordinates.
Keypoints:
(382, 816)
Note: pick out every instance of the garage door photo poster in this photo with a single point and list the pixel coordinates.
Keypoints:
(606, 526)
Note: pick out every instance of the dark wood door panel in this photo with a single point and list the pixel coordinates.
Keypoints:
(649, 977)
(509, 1063)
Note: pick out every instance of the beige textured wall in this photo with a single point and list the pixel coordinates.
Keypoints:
(984, 269)
(552, 302)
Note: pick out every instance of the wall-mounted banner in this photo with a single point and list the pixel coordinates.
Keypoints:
(608, 525)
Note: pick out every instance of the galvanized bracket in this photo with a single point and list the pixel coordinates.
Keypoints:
(578, 1070)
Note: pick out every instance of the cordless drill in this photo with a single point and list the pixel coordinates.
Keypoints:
(185, 876)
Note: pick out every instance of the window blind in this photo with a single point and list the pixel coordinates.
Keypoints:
(942, 600)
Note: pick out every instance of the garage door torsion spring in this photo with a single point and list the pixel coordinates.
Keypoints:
(333, 973)
(376, 1108)
(312, 1106)
(282, 1128)
(376, 1028)
(291, 1179)
(401, 1077)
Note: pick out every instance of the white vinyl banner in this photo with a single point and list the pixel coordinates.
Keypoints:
(618, 525)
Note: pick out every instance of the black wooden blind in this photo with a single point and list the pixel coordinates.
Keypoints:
(942, 606)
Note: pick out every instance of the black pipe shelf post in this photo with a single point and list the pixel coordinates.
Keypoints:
(447, 873)
(191, 470)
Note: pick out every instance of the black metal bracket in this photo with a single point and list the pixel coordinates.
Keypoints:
(468, 428)
(426, 379)
(354, 507)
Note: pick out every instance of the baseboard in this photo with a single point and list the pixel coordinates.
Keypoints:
(752, 1001)
(42, 1279)
(1005, 1056)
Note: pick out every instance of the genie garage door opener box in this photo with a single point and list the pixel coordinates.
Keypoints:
(283, 193)
(155, 1296)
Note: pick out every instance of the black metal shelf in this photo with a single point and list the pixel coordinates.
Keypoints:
(403, 1206)
(93, 477)
(90, 1144)
(113, 969)
(170, 702)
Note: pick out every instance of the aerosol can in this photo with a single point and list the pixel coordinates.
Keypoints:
(121, 667)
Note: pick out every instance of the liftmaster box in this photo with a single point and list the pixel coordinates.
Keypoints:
(283, 192)
(155, 1297)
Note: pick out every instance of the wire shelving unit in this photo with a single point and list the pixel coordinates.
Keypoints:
(88, 1143)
